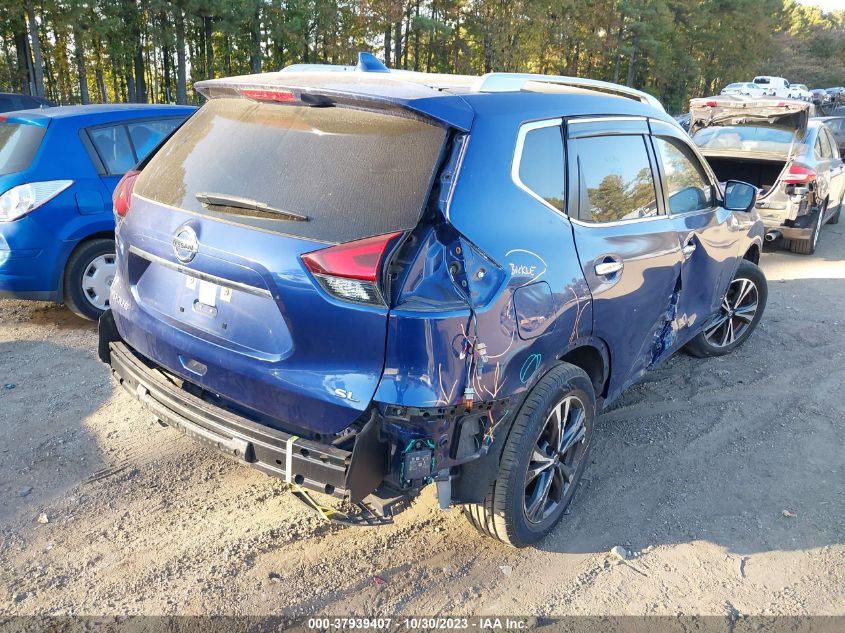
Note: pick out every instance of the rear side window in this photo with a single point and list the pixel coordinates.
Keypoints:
(616, 179)
(687, 188)
(541, 166)
(112, 145)
(18, 146)
(146, 135)
(121, 146)
(352, 173)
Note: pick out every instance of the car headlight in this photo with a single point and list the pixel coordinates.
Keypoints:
(20, 200)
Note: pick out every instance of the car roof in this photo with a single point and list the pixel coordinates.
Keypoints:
(101, 112)
(453, 99)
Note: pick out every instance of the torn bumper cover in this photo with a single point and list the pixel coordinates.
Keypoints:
(314, 465)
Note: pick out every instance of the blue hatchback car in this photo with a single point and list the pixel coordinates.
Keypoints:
(365, 282)
(58, 169)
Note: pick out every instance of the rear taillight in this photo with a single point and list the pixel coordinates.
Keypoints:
(799, 175)
(350, 271)
(123, 192)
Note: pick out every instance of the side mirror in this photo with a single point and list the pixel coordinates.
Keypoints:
(740, 196)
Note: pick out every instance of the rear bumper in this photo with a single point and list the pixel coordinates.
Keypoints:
(313, 465)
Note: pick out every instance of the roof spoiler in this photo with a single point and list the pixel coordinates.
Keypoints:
(491, 82)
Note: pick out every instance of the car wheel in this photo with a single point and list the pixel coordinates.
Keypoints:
(739, 313)
(88, 277)
(808, 246)
(542, 460)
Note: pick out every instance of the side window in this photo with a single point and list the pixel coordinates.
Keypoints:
(541, 167)
(687, 186)
(146, 135)
(834, 146)
(616, 176)
(112, 145)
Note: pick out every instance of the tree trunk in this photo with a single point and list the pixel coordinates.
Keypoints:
(387, 45)
(417, 38)
(631, 64)
(255, 33)
(140, 80)
(181, 78)
(397, 44)
(21, 80)
(130, 85)
(35, 45)
(209, 46)
(79, 54)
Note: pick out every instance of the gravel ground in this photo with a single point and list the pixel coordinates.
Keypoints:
(722, 477)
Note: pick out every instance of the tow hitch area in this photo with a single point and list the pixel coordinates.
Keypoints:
(372, 511)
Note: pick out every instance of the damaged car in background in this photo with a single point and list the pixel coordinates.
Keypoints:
(776, 146)
(394, 279)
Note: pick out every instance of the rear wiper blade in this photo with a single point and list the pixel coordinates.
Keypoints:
(239, 202)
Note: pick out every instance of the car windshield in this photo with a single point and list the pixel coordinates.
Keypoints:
(748, 138)
(18, 146)
(734, 86)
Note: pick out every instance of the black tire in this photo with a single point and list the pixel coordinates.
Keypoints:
(834, 219)
(78, 263)
(503, 514)
(708, 342)
(808, 246)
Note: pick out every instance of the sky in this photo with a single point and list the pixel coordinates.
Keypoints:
(826, 5)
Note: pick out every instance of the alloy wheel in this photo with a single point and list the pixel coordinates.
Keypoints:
(555, 459)
(736, 313)
(97, 280)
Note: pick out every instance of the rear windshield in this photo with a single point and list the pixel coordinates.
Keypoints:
(351, 173)
(746, 138)
(18, 146)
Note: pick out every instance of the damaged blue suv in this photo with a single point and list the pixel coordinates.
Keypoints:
(366, 281)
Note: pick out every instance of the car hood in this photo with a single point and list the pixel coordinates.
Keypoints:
(731, 111)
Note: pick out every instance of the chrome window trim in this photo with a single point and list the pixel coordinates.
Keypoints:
(220, 281)
(602, 119)
(524, 129)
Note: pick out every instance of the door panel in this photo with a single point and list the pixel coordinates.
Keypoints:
(707, 233)
(629, 253)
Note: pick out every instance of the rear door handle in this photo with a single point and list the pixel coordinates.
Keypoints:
(605, 269)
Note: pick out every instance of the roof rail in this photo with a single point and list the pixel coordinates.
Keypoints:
(511, 82)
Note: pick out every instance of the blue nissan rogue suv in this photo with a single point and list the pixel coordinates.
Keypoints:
(58, 169)
(365, 282)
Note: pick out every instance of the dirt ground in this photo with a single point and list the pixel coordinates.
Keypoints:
(723, 477)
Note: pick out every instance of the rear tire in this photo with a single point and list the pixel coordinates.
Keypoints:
(834, 219)
(88, 276)
(808, 246)
(741, 310)
(536, 457)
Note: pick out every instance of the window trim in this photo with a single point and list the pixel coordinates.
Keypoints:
(524, 129)
(658, 186)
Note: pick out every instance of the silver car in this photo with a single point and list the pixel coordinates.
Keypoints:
(776, 146)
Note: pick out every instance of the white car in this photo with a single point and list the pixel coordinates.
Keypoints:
(744, 88)
(800, 91)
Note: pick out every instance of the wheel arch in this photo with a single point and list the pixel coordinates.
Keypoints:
(590, 354)
(753, 253)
